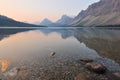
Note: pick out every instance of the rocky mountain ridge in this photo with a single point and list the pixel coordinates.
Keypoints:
(102, 13)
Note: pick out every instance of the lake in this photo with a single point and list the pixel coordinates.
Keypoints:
(27, 53)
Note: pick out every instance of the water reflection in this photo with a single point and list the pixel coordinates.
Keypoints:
(105, 41)
(4, 32)
(38, 43)
(32, 48)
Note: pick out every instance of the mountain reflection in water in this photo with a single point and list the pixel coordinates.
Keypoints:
(32, 48)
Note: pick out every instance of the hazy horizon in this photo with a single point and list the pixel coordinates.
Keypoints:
(37, 10)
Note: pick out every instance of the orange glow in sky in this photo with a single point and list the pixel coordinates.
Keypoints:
(37, 10)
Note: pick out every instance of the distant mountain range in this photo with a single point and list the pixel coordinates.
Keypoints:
(63, 21)
(46, 22)
(5, 21)
(102, 13)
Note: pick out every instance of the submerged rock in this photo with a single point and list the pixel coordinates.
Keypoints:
(17, 73)
(96, 67)
(116, 74)
(80, 76)
(86, 60)
(12, 72)
(4, 65)
(52, 54)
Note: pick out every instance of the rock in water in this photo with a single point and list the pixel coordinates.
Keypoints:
(12, 72)
(52, 54)
(80, 76)
(86, 60)
(117, 74)
(96, 67)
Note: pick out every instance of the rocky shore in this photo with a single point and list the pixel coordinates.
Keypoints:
(99, 68)
(83, 69)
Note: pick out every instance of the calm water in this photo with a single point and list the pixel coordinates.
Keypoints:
(29, 52)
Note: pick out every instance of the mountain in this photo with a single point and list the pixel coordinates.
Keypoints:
(5, 21)
(46, 22)
(65, 20)
(61, 22)
(102, 13)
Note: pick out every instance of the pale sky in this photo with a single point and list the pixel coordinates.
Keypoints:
(37, 10)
